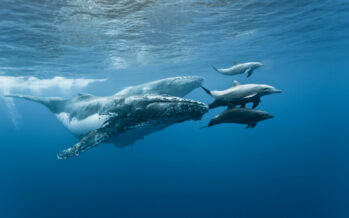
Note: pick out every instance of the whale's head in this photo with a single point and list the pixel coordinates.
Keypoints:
(267, 90)
(174, 86)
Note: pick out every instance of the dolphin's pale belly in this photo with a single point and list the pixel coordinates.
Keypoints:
(81, 127)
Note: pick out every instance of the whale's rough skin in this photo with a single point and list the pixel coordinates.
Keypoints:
(140, 115)
(246, 68)
(241, 116)
(87, 116)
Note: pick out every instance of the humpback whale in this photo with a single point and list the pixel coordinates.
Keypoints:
(242, 116)
(240, 94)
(139, 110)
(246, 68)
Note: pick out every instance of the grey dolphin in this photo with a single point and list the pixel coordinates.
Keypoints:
(246, 68)
(240, 94)
(242, 116)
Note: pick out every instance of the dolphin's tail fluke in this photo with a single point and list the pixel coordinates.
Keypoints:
(52, 103)
(206, 90)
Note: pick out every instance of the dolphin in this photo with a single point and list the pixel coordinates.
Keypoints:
(87, 113)
(240, 94)
(246, 68)
(242, 116)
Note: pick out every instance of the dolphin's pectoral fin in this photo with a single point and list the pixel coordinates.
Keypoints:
(230, 105)
(251, 96)
(256, 103)
(249, 72)
(216, 103)
(251, 125)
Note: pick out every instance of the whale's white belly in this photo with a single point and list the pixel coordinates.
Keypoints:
(81, 127)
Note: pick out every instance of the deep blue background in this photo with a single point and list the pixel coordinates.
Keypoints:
(295, 165)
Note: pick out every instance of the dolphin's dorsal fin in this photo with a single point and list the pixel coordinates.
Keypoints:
(236, 83)
(236, 63)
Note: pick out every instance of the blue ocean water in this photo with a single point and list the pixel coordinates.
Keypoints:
(295, 165)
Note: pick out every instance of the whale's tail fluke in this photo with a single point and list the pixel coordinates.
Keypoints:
(206, 90)
(55, 104)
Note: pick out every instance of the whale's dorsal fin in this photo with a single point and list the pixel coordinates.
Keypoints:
(82, 96)
(55, 104)
(236, 83)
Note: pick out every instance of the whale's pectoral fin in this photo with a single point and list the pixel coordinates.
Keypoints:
(92, 139)
(256, 103)
(249, 72)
